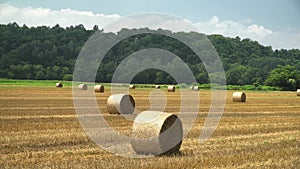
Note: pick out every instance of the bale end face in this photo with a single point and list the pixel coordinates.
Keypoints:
(156, 133)
(239, 97)
(298, 92)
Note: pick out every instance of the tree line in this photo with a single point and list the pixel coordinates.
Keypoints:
(50, 53)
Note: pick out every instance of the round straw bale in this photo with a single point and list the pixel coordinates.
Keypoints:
(171, 88)
(156, 133)
(82, 87)
(192, 87)
(120, 104)
(99, 88)
(59, 84)
(239, 97)
(298, 92)
(131, 87)
(196, 88)
(157, 86)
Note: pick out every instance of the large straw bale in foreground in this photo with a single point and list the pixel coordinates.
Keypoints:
(239, 97)
(120, 104)
(156, 133)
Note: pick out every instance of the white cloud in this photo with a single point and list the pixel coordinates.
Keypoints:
(67, 17)
(245, 29)
(232, 28)
(285, 40)
(151, 21)
(43, 16)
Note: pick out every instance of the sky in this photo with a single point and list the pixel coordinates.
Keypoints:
(273, 23)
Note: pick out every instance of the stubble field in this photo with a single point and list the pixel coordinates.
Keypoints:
(39, 129)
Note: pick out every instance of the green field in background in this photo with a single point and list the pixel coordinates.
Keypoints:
(14, 83)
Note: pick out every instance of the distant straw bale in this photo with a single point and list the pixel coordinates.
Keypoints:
(59, 84)
(171, 88)
(131, 87)
(99, 88)
(82, 87)
(239, 97)
(196, 88)
(120, 104)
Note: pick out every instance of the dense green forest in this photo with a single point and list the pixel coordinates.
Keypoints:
(50, 53)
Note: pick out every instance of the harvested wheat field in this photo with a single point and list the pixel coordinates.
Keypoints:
(39, 129)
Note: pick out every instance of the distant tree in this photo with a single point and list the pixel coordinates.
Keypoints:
(45, 52)
(287, 77)
(68, 77)
(235, 73)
